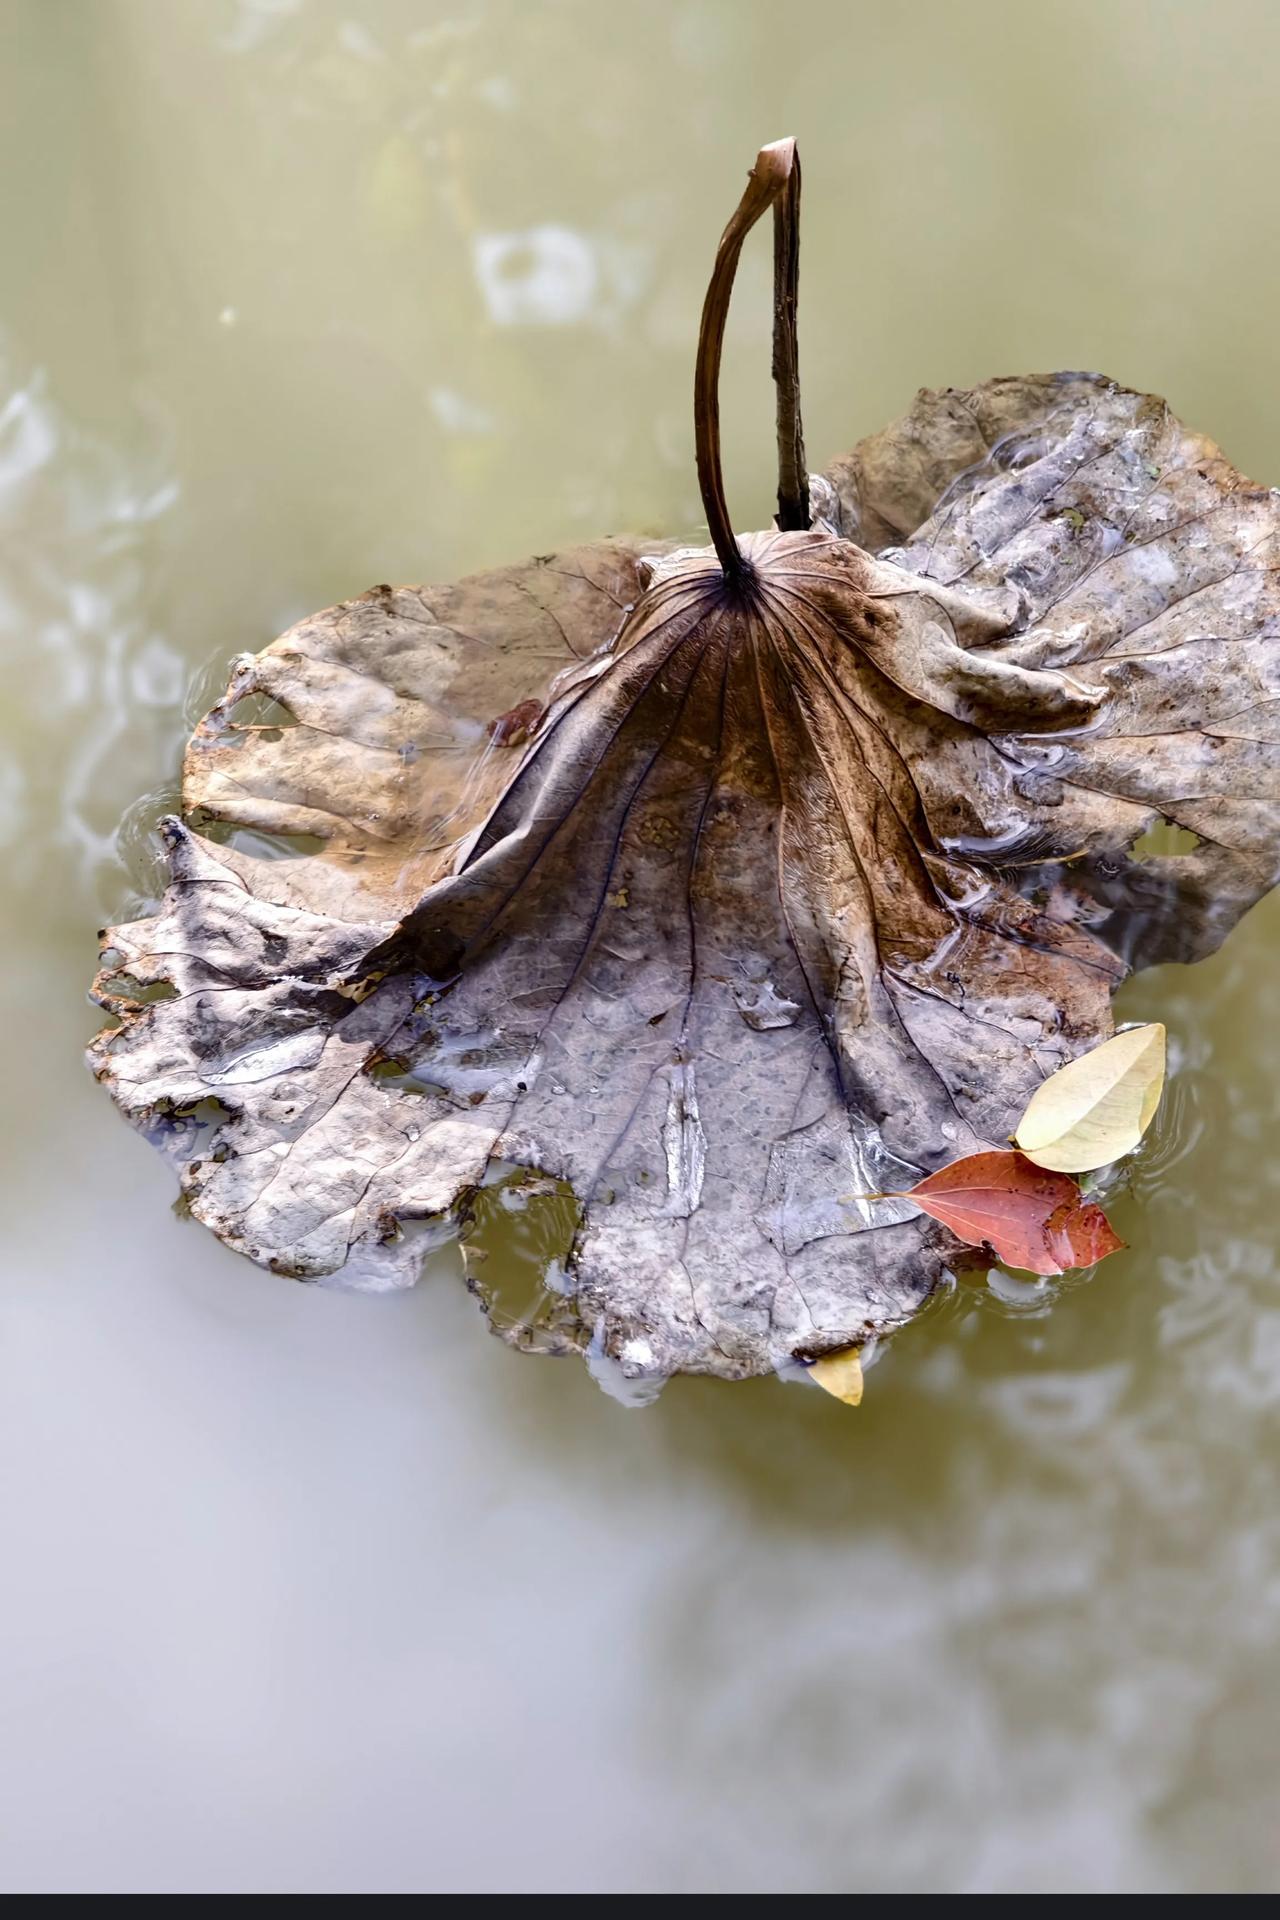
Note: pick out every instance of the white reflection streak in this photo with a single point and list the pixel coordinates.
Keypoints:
(546, 276)
(71, 516)
(255, 22)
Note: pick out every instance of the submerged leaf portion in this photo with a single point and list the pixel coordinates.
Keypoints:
(840, 1374)
(784, 889)
(1098, 1107)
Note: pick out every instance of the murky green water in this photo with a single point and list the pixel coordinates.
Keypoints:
(305, 1591)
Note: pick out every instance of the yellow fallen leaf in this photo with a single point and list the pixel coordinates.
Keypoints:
(1099, 1106)
(841, 1374)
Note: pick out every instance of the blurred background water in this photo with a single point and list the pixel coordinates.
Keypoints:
(313, 1592)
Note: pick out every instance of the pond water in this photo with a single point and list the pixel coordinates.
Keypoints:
(306, 1591)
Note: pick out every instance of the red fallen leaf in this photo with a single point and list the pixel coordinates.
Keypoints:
(1031, 1218)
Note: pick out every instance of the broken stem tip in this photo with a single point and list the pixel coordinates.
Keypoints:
(793, 471)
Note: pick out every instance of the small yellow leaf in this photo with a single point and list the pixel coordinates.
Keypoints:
(841, 1374)
(1098, 1107)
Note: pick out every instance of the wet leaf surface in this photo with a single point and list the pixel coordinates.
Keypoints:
(724, 887)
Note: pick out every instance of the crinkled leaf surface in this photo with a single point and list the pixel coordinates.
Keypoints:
(786, 897)
(380, 731)
(1111, 544)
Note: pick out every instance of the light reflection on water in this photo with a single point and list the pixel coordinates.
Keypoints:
(315, 1591)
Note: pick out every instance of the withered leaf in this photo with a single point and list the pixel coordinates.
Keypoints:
(812, 864)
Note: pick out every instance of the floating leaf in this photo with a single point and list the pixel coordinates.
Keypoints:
(1030, 1217)
(1098, 1107)
(720, 884)
(840, 1374)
